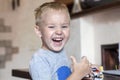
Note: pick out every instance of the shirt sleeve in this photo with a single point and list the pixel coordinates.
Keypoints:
(39, 69)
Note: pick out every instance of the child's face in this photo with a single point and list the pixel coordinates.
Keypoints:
(55, 29)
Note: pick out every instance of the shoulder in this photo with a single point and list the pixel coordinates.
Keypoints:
(38, 56)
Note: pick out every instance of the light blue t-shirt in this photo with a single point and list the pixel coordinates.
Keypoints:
(48, 65)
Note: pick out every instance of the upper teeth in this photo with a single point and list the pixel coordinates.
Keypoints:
(57, 39)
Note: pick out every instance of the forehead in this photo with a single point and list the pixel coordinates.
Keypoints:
(55, 14)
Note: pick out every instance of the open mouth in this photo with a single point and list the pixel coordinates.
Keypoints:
(57, 41)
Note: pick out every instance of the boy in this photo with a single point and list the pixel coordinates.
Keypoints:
(51, 62)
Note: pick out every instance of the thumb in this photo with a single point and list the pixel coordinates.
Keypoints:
(73, 59)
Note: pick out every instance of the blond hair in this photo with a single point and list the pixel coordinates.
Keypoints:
(49, 5)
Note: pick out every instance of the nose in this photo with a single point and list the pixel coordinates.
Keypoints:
(59, 31)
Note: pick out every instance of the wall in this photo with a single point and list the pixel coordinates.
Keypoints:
(98, 29)
(21, 21)
(73, 45)
(107, 26)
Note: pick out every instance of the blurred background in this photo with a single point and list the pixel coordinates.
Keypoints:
(18, 41)
(17, 38)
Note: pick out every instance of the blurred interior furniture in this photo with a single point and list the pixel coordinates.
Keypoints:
(21, 73)
(111, 74)
(110, 56)
(24, 73)
(90, 6)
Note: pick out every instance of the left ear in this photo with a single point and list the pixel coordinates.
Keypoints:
(37, 31)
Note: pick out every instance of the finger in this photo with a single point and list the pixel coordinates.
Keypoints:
(73, 59)
(83, 57)
(90, 64)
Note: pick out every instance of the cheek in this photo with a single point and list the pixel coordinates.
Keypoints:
(67, 33)
(47, 34)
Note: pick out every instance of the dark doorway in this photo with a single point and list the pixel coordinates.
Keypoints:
(110, 56)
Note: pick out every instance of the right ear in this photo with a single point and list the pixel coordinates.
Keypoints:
(37, 31)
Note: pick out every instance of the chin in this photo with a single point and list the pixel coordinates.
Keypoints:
(57, 50)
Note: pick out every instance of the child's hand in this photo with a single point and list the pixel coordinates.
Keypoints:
(81, 69)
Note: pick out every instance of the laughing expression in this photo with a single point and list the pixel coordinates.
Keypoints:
(54, 29)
